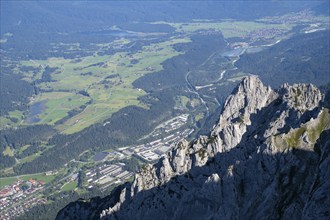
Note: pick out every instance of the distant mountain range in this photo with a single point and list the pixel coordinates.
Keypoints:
(58, 16)
(267, 158)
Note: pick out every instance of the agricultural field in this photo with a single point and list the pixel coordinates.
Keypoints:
(56, 105)
(4, 181)
(8, 152)
(95, 86)
(29, 158)
(38, 177)
(69, 186)
(7, 181)
(229, 28)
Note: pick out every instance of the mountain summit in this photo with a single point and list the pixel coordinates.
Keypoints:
(266, 158)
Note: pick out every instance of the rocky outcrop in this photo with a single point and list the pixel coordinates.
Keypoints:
(267, 158)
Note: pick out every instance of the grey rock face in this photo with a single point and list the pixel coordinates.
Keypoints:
(248, 98)
(267, 158)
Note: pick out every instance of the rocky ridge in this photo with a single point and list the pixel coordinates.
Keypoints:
(266, 158)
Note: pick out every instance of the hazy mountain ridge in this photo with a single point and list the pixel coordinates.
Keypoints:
(267, 158)
(52, 16)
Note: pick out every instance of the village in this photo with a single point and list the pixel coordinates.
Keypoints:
(22, 195)
(19, 191)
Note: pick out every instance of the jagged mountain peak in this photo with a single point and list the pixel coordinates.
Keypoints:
(247, 98)
(301, 96)
(266, 158)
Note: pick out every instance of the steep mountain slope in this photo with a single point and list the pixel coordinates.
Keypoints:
(267, 158)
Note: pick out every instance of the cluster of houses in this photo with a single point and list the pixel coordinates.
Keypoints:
(104, 175)
(16, 193)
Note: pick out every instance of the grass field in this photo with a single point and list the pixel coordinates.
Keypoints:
(5, 121)
(16, 114)
(69, 186)
(7, 181)
(107, 80)
(38, 177)
(29, 158)
(199, 116)
(181, 101)
(33, 156)
(8, 152)
(24, 148)
(184, 100)
(58, 104)
(228, 28)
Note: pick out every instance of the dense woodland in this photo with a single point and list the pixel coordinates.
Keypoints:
(17, 138)
(14, 92)
(303, 58)
(175, 69)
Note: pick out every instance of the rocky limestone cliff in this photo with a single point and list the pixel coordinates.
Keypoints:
(267, 158)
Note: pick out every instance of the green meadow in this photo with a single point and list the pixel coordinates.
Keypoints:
(69, 186)
(58, 104)
(39, 177)
(229, 28)
(6, 181)
(8, 152)
(106, 82)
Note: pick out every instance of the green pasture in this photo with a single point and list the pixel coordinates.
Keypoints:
(108, 95)
(24, 148)
(199, 116)
(58, 104)
(29, 158)
(184, 100)
(38, 177)
(7, 181)
(16, 114)
(228, 28)
(69, 186)
(8, 152)
(6, 122)
(33, 156)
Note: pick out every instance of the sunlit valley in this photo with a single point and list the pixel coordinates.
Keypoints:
(94, 92)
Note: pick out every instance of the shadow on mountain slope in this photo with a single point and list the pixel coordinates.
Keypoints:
(266, 158)
(233, 185)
